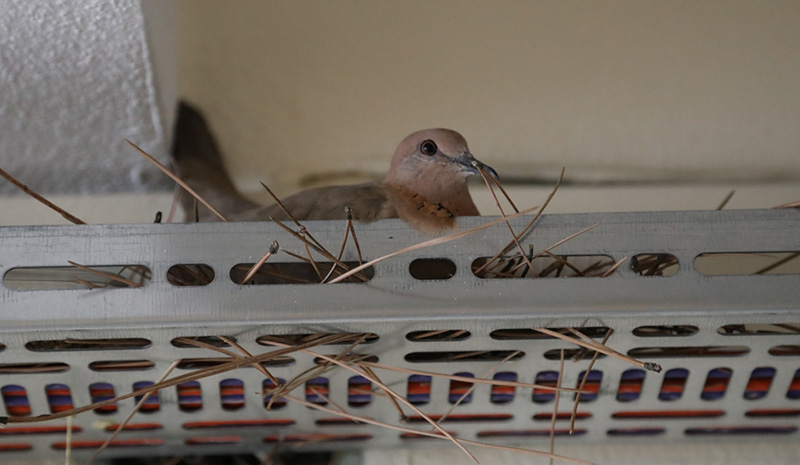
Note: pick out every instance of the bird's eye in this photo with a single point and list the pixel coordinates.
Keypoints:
(428, 147)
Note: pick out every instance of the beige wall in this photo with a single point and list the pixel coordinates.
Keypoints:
(621, 90)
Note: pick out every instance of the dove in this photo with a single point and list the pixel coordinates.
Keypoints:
(426, 185)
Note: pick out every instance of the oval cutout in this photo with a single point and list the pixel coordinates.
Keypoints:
(213, 441)
(432, 269)
(197, 363)
(349, 358)
(748, 263)
(655, 264)
(630, 385)
(759, 329)
(57, 345)
(463, 418)
(664, 414)
(59, 397)
(100, 392)
(773, 412)
(190, 275)
(31, 368)
(794, 386)
(460, 392)
(548, 416)
(76, 277)
(463, 356)
(318, 437)
(418, 390)
(515, 334)
(438, 335)
(737, 430)
(231, 394)
(268, 389)
(673, 383)
(153, 401)
(190, 396)
(716, 384)
(759, 383)
(318, 390)
(574, 354)
(149, 442)
(134, 427)
(23, 430)
(785, 350)
(696, 351)
(359, 391)
(665, 331)
(260, 423)
(300, 339)
(644, 431)
(15, 398)
(121, 365)
(215, 341)
(523, 433)
(295, 273)
(545, 378)
(553, 266)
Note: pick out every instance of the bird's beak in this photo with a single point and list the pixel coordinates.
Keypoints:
(470, 164)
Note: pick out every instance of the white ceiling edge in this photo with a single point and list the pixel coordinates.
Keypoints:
(78, 79)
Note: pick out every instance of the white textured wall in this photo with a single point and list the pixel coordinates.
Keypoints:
(614, 89)
(76, 78)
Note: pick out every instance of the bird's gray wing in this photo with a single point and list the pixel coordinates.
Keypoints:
(368, 202)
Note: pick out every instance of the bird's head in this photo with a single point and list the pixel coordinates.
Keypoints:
(438, 156)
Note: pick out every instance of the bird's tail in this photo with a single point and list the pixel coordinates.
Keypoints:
(197, 160)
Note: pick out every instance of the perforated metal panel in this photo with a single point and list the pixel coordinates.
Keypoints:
(392, 305)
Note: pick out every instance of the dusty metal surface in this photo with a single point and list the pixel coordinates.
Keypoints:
(393, 304)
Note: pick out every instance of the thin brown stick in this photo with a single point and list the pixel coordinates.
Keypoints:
(353, 233)
(112, 277)
(556, 244)
(780, 262)
(128, 418)
(310, 257)
(263, 369)
(319, 249)
(69, 217)
(508, 197)
(273, 249)
(789, 205)
(726, 199)
(502, 212)
(403, 417)
(297, 223)
(608, 272)
(176, 179)
(602, 349)
(344, 244)
(583, 381)
(430, 243)
(555, 407)
(527, 228)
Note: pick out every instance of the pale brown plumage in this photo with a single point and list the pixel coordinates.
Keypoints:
(426, 185)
